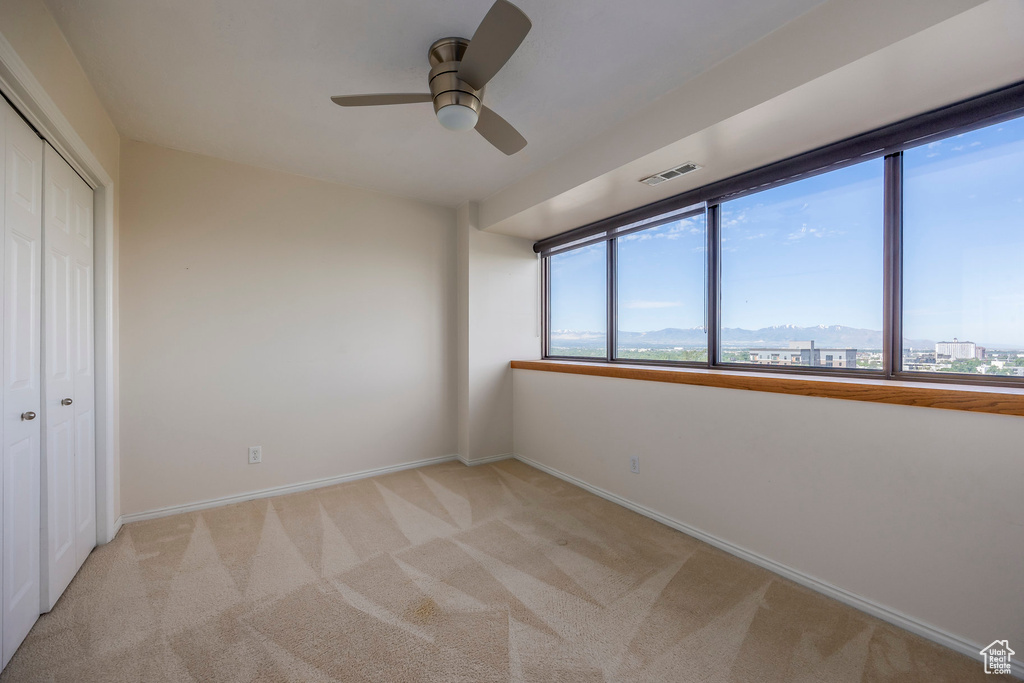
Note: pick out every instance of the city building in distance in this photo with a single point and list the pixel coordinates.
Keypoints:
(804, 353)
(959, 350)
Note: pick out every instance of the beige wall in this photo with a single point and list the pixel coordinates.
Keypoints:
(260, 308)
(499, 319)
(30, 29)
(918, 510)
(32, 32)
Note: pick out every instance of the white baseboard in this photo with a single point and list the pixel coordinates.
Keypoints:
(278, 490)
(937, 635)
(488, 459)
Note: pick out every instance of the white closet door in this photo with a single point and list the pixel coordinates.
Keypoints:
(4, 113)
(69, 504)
(84, 406)
(22, 209)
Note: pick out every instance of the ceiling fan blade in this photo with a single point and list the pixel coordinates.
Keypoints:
(496, 39)
(383, 98)
(499, 132)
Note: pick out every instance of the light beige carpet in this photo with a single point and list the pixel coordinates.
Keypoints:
(449, 573)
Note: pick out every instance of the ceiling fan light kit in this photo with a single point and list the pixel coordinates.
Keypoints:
(459, 70)
(458, 117)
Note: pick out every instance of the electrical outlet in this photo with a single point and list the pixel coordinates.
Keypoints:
(255, 454)
(634, 464)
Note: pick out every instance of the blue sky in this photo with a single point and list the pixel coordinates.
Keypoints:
(963, 233)
(578, 289)
(807, 253)
(810, 252)
(661, 277)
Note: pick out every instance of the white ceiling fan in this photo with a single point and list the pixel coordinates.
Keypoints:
(459, 71)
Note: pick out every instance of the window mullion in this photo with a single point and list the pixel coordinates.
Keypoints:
(892, 332)
(545, 283)
(713, 284)
(613, 310)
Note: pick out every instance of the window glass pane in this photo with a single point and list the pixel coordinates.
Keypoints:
(963, 253)
(578, 302)
(661, 292)
(802, 272)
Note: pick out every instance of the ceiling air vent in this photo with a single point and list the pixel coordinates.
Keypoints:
(658, 178)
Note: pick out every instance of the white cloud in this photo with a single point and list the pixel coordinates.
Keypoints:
(803, 232)
(806, 231)
(636, 237)
(734, 220)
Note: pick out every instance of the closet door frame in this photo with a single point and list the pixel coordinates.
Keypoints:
(27, 95)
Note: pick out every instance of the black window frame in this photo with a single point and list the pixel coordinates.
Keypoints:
(888, 142)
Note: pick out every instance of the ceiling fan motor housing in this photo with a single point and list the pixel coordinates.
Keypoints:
(445, 85)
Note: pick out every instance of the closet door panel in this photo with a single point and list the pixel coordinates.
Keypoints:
(85, 495)
(22, 220)
(69, 461)
(60, 468)
(4, 112)
(82, 351)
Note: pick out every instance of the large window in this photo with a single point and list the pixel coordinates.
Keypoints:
(802, 271)
(963, 263)
(897, 253)
(661, 299)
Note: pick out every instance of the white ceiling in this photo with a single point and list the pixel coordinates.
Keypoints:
(844, 68)
(250, 80)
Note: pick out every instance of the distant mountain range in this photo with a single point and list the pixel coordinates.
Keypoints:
(824, 336)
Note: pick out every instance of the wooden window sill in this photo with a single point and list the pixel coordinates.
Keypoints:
(978, 399)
